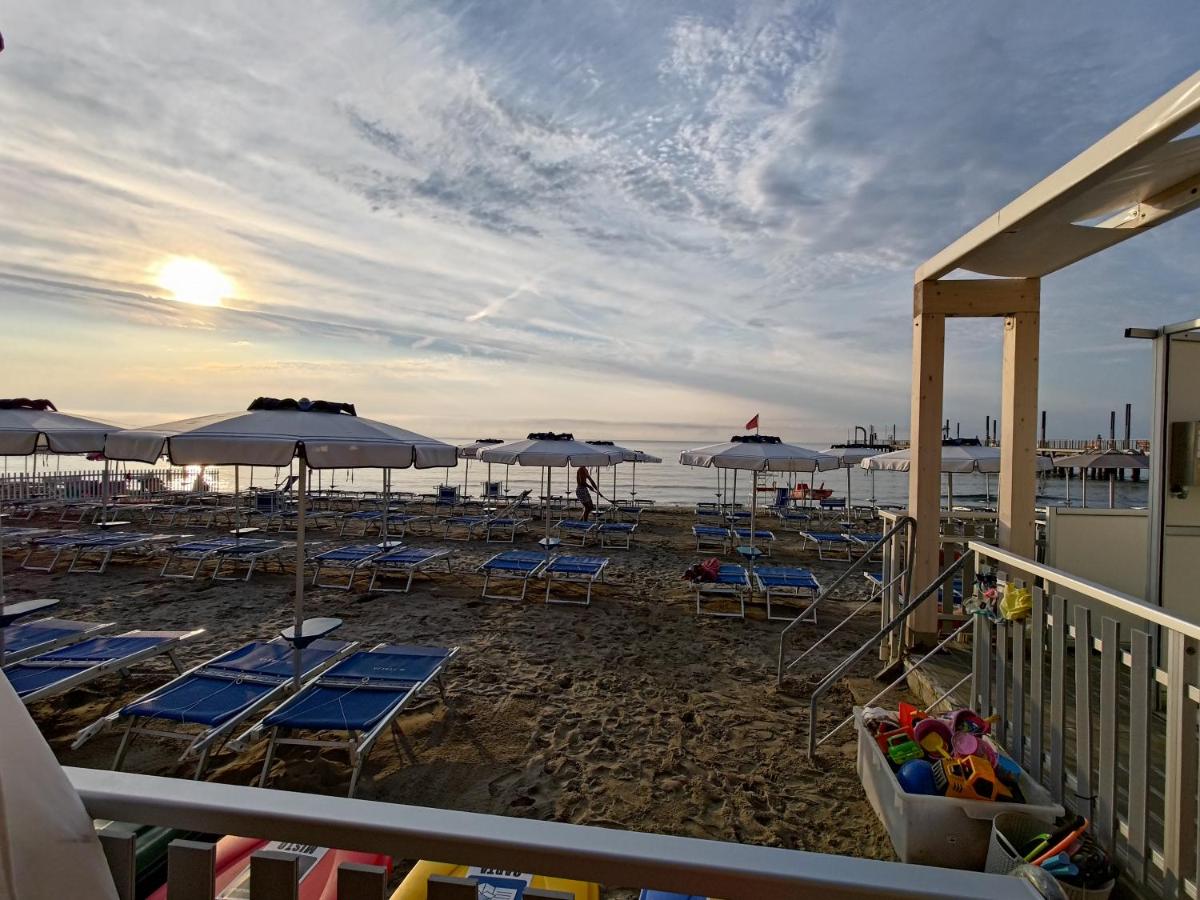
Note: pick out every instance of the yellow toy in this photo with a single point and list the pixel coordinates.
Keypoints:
(501, 883)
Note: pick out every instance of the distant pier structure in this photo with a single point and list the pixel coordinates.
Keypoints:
(1115, 450)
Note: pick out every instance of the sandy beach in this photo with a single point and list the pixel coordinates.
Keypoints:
(631, 713)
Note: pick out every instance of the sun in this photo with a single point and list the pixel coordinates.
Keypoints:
(192, 280)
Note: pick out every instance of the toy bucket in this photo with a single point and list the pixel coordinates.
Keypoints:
(1012, 829)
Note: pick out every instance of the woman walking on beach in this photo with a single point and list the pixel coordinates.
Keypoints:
(584, 480)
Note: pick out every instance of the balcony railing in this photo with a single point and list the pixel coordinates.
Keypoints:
(604, 855)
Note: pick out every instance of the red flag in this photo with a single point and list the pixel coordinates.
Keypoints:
(753, 423)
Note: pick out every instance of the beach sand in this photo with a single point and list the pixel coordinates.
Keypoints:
(632, 713)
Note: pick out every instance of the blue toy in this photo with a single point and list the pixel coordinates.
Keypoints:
(916, 777)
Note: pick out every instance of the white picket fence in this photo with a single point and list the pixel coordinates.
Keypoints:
(71, 486)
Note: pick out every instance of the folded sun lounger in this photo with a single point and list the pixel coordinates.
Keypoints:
(405, 561)
(48, 674)
(826, 540)
(792, 582)
(586, 570)
(617, 534)
(349, 559)
(215, 696)
(361, 696)
(518, 564)
(732, 581)
(711, 536)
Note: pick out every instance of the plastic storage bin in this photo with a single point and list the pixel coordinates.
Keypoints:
(1011, 830)
(938, 831)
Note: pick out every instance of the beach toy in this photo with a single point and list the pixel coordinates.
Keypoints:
(1007, 769)
(970, 778)
(966, 720)
(885, 734)
(901, 748)
(1016, 604)
(916, 777)
(497, 883)
(910, 715)
(935, 745)
(966, 743)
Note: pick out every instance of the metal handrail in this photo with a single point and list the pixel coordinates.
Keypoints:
(903, 522)
(895, 622)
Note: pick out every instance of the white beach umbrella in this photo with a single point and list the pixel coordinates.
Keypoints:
(317, 434)
(1107, 459)
(31, 426)
(549, 451)
(627, 455)
(851, 455)
(470, 451)
(48, 845)
(959, 457)
(757, 453)
(639, 456)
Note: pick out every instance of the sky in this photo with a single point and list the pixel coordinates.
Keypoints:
(621, 218)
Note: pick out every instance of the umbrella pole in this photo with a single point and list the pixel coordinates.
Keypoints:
(1068, 486)
(237, 509)
(849, 506)
(950, 492)
(387, 506)
(734, 498)
(466, 475)
(753, 523)
(1083, 487)
(633, 486)
(547, 510)
(302, 496)
(1112, 489)
(104, 493)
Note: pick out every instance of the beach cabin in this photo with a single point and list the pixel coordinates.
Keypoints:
(1095, 691)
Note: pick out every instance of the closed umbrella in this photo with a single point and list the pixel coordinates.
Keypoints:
(316, 433)
(960, 456)
(1110, 460)
(549, 451)
(757, 453)
(31, 426)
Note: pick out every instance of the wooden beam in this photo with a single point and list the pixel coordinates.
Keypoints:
(976, 297)
(924, 474)
(1018, 444)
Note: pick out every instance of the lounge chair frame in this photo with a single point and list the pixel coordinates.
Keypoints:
(575, 528)
(492, 570)
(764, 539)
(381, 565)
(90, 672)
(250, 553)
(72, 635)
(109, 545)
(617, 535)
(557, 568)
(800, 584)
(732, 581)
(826, 539)
(350, 566)
(711, 536)
(358, 747)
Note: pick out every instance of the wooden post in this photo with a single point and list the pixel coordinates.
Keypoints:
(925, 468)
(191, 871)
(1018, 451)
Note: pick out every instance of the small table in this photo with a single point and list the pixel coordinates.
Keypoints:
(549, 542)
(242, 532)
(113, 523)
(750, 554)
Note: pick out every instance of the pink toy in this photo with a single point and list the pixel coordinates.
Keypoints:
(967, 744)
(966, 720)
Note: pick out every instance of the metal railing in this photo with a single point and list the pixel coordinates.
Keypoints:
(893, 625)
(1097, 696)
(889, 544)
(605, 855)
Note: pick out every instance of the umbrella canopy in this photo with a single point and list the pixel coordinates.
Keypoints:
(471, 451)
(27, 426)
(851, 455)
(550, 451)
(1105, 459)
(958, 458)
(272, 432)
(758, 453)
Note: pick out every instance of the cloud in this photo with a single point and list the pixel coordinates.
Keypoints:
(659, 209)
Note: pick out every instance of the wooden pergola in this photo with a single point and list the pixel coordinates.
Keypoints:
(1140, 175)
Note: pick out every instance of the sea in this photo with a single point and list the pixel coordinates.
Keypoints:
(665, 483)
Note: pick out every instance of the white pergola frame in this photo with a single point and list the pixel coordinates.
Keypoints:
(1139, 176)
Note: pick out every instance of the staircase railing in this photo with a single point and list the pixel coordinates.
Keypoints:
(897, 621)
(906, 525)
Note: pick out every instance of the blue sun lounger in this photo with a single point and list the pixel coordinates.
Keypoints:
(26, 639)
(216, 696)
(48, 674)
(360, 696)
(249, 553)
(575, 529)
(711, 536)
(617, 534)
(826, 540)
(398, 523)
(349, 559)
(791, 582)
(865, 541)
(732, 581)
(405, 561)
(512, 564)
(102, 548)
(793, 519)
(196, 552)
(54, 543)
(585, 570)
(763, 539)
